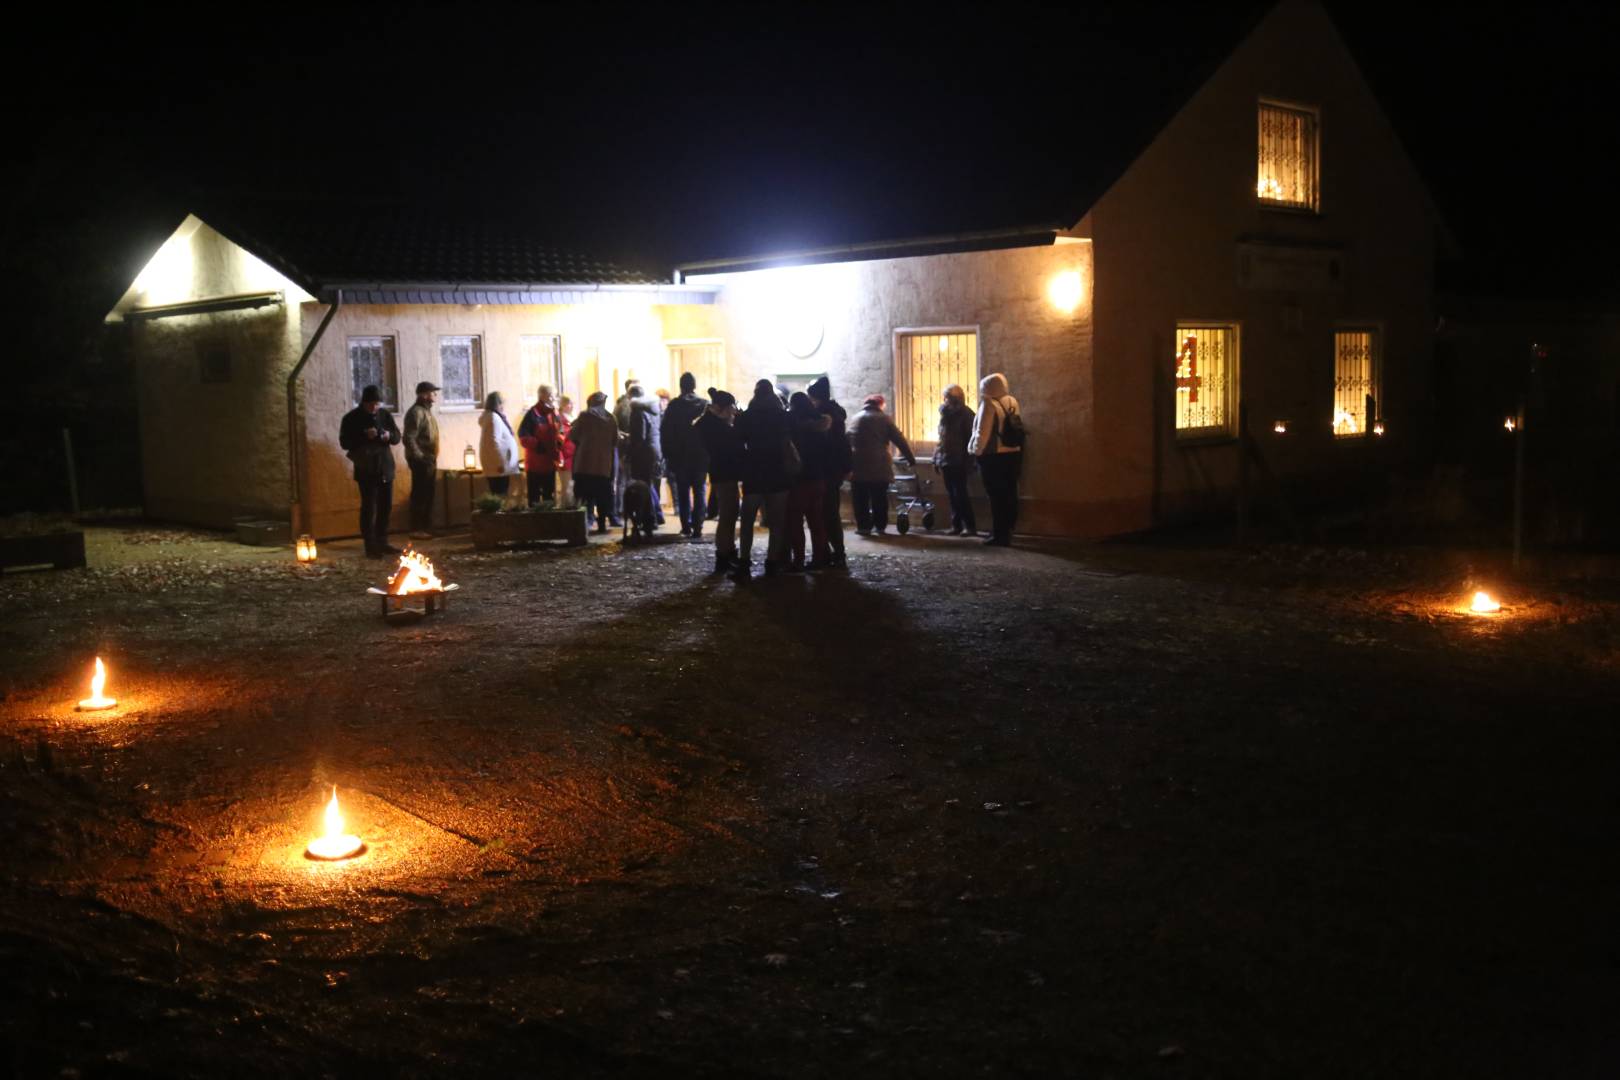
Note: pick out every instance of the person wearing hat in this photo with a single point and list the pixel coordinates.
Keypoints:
(870, 435)
(422, 455)
(839, 462)
(369, 436)
(723, 446)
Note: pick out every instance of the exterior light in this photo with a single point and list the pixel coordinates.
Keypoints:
(469, 459)
(306, 548)
(336, 844)
(97, 700)
(1064, 290)
(1280, 427)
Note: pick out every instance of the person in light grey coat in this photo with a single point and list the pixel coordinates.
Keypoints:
(871, 433)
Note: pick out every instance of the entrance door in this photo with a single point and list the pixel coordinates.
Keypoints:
(706, 360)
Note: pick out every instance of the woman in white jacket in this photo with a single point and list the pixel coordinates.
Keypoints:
(999, 464)
(497, 445)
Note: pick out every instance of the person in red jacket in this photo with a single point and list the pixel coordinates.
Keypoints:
(542, 447)
(565, 468)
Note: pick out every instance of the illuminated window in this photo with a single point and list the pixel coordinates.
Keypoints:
(1288, 151)
(706, 360)
(926, 362)
(1355, 381)
(540, 357)
(1206, 379)
(461, 370)
(372, 363)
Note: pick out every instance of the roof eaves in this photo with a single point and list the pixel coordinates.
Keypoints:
(984, 240)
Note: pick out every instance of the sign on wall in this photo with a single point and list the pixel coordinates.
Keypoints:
(1290, 268)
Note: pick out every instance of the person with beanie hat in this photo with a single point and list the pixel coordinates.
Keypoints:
(723, 447)
(838, 464)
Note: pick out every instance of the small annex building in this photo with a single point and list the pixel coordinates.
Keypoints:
(1266, 253)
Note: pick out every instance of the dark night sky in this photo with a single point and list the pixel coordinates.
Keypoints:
(660, 137)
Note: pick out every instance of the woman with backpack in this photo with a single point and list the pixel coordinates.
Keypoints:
(998, 446)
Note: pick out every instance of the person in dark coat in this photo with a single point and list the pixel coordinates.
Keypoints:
(646, 447)
(808, 429)
(870, 434)
(838, 466)
(723, 446)
(369, 435)
(767, 476)
(685, 455)
(595, 438)
(952, 459)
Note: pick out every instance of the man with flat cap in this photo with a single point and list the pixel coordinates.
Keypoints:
(369, 435)
(422, 455)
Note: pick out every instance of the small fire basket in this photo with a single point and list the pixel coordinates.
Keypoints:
(414, 590)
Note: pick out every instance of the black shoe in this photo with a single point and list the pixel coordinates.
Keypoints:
(771, 569)
(373, 553)
(390, 549)
(956, 530)
(742, 572)
(793, 568)
(998, 541)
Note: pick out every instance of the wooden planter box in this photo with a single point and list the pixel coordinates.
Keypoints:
(62, 550)
(494, 529)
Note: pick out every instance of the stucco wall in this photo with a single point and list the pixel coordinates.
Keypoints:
(1044, 352)
(623, 337)
(215, 451)
(1166, 239)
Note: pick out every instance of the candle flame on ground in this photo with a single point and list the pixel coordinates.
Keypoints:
(98, 682)
(1483, 604)
(336, 844)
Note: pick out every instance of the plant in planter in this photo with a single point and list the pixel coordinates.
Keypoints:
(528, 524)
(490, 503)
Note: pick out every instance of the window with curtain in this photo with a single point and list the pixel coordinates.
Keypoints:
(372, 362)
(1206, 380)
(540, 359)
(461, 370)
(1355, 382)
(926, 362)
(1289, 142)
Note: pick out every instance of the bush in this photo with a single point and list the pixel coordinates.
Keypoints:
(489, 502)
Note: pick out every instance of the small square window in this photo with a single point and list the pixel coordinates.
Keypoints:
(461, 369)
(1355, 382)
(1206, 380)
(372, 362)
(1289, 142)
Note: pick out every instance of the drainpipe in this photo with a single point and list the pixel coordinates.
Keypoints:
(293, 441)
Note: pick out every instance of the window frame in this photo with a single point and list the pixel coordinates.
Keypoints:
(904, 391)
(685, 343)
(354, 391)
(1375, 329)
(476, 375)
(558, 373)
(1314, 209)
(1228, 431)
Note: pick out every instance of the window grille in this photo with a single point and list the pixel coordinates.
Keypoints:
(706, 360)
(372, 362)
(926, 362)
(461, 370)
(1355, 382)
(540, 357)
(1288, 152)
(1206, 379)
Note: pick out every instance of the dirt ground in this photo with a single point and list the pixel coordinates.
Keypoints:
(1103, 811)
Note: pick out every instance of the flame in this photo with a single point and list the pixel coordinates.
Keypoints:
(415, 575)
(1483, 604)
(1344, 422)
(98, 682)
(1509, 424)
(336, 844)
(1269, 188)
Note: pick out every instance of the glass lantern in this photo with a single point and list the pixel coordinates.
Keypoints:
(306, 548)
(469, 459)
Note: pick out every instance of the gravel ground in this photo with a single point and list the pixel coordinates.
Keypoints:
(1114, 811)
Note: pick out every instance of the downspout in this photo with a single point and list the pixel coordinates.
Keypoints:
(293, 441)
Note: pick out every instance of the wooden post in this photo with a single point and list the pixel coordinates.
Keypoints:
(72, 471)
(1518, 488)
(1244, 450)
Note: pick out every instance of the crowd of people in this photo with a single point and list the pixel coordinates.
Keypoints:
(783, 459)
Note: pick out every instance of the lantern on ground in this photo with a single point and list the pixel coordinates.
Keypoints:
(336, 844)
(306, 548)
(97, 700)
(1280, 427)
(1510, 424)
(469, 459)
(1378, 427)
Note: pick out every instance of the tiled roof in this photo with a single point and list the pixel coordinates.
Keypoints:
(320, 245)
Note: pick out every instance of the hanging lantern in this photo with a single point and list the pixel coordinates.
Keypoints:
(306, 548)
(469, 459)
(1378, 427)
